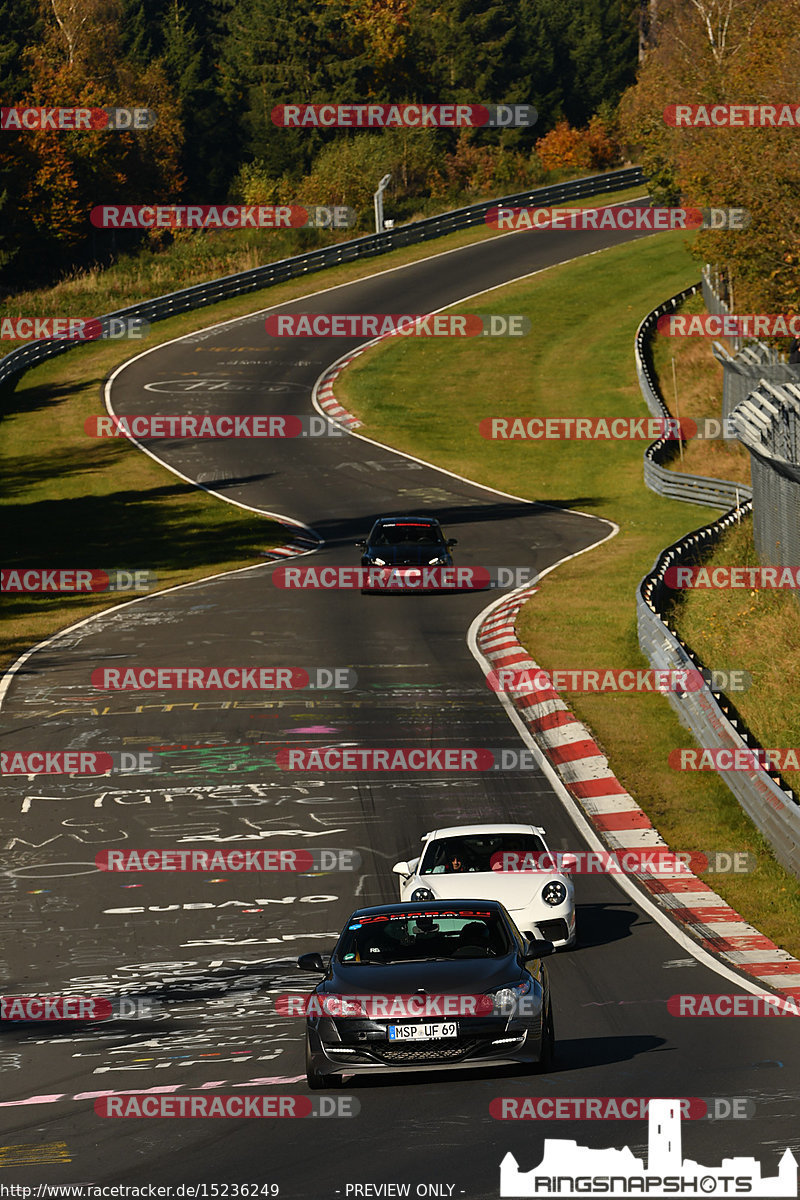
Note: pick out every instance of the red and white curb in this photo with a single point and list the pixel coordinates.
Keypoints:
(290, 549)
(617, 818)
(327, 399)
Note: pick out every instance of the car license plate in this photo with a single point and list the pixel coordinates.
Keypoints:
(423, 1033)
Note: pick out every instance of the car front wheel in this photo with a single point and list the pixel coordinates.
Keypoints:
(317, 1081)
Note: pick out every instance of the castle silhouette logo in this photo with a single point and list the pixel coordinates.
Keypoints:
(568, 1169)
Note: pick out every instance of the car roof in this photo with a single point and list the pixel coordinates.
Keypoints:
(426, 906)
(457, 830)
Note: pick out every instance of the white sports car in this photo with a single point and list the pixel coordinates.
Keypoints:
(539, 901)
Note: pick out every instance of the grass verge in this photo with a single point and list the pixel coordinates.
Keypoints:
(579, 362)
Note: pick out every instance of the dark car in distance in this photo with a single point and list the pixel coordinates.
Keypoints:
(403, 547)
(424, 986)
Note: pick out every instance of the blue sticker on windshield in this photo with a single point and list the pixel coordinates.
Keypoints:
(347, 957)
(354, 926)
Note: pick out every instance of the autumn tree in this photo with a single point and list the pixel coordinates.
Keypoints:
(727, 52)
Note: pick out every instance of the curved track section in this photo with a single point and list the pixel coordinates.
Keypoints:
(209, 953)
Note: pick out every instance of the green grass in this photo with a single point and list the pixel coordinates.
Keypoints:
(428, 397)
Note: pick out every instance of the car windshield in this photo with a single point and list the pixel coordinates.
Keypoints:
(419, 936)
(396, 535)
(474, 852)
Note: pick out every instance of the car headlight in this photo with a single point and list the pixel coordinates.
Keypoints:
(379, 562)
(436, 562)
(422, 894)
(554, 892)
(506, 998)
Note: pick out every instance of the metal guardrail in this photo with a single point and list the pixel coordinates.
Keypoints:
(203, 294)
(675, 485)
(773, 810)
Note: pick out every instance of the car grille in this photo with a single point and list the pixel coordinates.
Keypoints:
(421, 1054)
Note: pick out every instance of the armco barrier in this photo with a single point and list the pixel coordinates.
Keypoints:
(203, 294)
(675, 485)
(773, 810)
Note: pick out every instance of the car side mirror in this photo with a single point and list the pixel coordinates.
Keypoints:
(452, 541)
(362, 545)
(402, 868)
(537, 947)
(312, 962)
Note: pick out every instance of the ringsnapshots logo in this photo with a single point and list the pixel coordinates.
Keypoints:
(72, 329)
(752, 578)
(637, 860)
(22, 118)
(732, 116)
(61, 580)
(222, 216)
(616, 1108)
(151, 426)
(215, 679)
(735, 758)
(318, 861)
(372, 325)
(77, 762)
(533, 681)
(259, 1106)
(402, 578)
(567, 1169)
(405, 758)
(404, 116)
(616, 217)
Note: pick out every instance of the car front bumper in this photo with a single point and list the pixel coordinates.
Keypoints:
(358, 1046)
